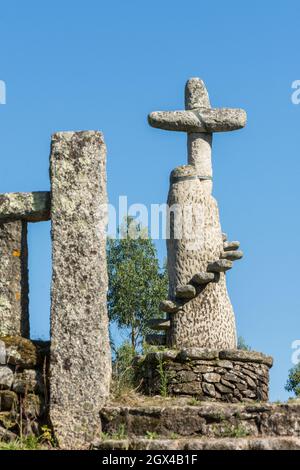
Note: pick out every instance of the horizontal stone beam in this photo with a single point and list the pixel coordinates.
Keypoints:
(199, 120)
(32, 207)
(159, 324)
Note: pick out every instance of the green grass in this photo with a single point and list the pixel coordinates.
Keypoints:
(119, 435)
(151, 435)
(27, 443)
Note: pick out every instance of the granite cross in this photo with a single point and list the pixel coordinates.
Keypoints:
(199, 120)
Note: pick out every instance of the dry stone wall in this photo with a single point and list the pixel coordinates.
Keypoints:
(23, 386)
(228, 375)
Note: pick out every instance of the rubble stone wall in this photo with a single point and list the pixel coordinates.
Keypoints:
(229, 375)
(23, 386)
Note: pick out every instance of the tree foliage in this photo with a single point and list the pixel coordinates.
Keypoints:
(136, 282)
(241, 344)
(293, 382)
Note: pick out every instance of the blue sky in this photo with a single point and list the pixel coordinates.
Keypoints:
(72, 65)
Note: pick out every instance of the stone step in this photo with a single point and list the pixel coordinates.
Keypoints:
(159, 324)
(230, 246)
(156, 340)
(232, 255)
(225, 443)
(203, 278)
(169, 306)
(186, 292)
(219, 266)
(207, 419)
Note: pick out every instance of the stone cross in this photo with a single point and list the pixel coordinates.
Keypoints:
(199, 120)
(199, 310)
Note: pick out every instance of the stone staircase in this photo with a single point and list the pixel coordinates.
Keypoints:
(183, 424)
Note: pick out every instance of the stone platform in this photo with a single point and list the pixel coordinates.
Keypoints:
(177, 424)
(228, 375)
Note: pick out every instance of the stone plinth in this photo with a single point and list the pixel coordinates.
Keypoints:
(14, 317)
(225, 375)
(80, 368)
(158, 423)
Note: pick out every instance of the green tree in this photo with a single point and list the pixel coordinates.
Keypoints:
(241, 344)
(293, 382)
(136, 282)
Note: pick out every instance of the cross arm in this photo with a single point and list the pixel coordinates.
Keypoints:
(199, 120)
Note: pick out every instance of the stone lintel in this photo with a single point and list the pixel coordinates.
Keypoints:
(31, 207)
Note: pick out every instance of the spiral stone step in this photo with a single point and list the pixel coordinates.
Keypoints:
(159, 324)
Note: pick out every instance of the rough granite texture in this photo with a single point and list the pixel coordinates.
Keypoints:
(208, 319)
(229, 375)
(14, 317)
(199, 120)
(80, 369)
(32, 207)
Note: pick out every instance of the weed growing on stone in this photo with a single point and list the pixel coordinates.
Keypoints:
(163, 377)
(234, 431)
(27, 443)
(193, 402)
(118, 435)
(151, 435)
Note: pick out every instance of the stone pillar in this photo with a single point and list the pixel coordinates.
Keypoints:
(14, 317)
(207, 320)
(80, 369)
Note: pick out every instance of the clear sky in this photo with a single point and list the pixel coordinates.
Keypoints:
(73, 65)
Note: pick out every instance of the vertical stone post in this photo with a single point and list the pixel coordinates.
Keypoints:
(80, 369)
(14, 317)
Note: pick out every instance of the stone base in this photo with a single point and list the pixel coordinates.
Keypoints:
(228, 375)
(227, 443)
(183, 424)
